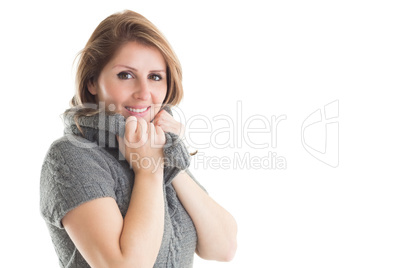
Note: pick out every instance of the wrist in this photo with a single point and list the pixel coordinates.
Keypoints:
(147, 165)
(149, 174)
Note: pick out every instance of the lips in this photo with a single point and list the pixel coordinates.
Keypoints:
(138, 111)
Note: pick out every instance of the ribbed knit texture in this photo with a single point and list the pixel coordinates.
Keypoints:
(79, 168)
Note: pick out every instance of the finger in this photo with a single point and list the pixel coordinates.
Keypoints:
(142, 129)
(131, 126)
(156, 115)
(152, 135)
(131, 118)
(159, 112)
(160, 125)
(166, 115)
(158, 119)
(163, 115)
(155, 121)
(159, 130)
(161, 134)
(151, 130)
(166, 127)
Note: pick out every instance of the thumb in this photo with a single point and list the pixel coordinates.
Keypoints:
(131, 127)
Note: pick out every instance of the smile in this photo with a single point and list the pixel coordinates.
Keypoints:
(138, 112)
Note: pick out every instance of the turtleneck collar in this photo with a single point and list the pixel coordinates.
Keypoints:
(100, 128)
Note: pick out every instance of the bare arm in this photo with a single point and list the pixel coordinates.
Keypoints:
(97, 227)
(216, 228)
(104, 239)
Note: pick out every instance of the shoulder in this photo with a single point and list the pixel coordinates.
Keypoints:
(74, 159)
(71, 143)
(74, 150)
(74, 171)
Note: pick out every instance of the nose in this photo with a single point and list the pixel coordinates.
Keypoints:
(142, 90)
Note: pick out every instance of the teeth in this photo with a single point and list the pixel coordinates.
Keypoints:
(137, 110)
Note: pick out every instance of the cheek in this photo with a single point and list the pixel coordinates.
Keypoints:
(112, 93)
(161, 93)
(161, 97)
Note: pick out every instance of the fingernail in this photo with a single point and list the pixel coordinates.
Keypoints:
(131, 118)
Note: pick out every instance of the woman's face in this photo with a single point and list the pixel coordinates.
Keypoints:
(134, 82)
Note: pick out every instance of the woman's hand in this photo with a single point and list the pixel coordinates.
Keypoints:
(168, 124)
(143, 145)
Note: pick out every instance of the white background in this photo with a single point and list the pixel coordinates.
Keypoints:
(276, 57)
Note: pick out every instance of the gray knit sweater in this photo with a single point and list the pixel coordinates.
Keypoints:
(80, 168)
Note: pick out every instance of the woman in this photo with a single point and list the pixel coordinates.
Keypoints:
(115, 189)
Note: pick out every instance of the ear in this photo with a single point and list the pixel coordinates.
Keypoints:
(92, 88)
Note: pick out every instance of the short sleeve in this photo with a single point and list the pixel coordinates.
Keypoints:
(71, 176)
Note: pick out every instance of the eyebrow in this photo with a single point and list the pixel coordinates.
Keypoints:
(132, 68)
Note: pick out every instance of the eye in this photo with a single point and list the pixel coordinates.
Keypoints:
(155, 77)
(124, 75)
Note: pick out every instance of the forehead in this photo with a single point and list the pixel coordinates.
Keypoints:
(139, 56)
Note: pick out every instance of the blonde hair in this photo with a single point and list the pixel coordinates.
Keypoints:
(108, 37)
